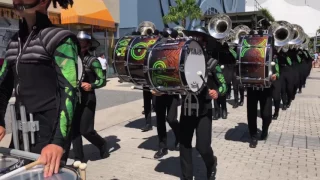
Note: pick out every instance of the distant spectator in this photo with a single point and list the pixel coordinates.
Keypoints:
(103, 61)
(316, 56)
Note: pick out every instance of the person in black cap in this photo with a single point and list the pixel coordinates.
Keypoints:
(85, 111)
(41, 63)
(201, 122)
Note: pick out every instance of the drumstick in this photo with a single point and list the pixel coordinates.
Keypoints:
(199, 73)
(19, 170)
(82, 168)
(139, 88)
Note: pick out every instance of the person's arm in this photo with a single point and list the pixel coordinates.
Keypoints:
(101, 77)
(66, 58)
(276, 68)
(222, 86)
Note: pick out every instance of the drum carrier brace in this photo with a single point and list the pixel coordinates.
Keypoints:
(188, 104)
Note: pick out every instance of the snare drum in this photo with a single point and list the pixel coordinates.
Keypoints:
(129, 56)
(37, 174)
(172, 66)
(8, 163)
(255, 56)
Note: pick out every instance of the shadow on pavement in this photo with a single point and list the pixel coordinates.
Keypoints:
(152, 143)
(239, 133)
(92, 153)
(171, 166)
(141, 122)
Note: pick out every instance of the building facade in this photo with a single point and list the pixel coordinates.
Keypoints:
(132, 12)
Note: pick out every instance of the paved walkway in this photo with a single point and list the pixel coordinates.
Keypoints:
(292, 151)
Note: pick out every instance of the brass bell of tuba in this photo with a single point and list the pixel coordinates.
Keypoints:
(145, 26)
(219, 27)
(282, 32)
(180, 29)
(298, 35)
(239, 31)
(305, 44)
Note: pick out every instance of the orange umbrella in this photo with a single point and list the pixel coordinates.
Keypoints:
(91, 12)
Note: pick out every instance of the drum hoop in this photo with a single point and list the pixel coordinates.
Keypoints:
(14, 166)
(148, 67)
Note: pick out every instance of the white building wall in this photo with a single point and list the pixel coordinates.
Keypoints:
(305, 13)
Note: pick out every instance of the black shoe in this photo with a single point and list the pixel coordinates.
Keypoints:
(300, 91)
(241, 103)
(284, 107)
(211, 175)
(289, 104)
(228, 96)
(160, 153)
(253, 143)
(104, 151)
(275, 116)
(146, 128)
(224, 114)
(142, 112)
(264, 135)
(216, 115)
(303, 86)
(235, 105)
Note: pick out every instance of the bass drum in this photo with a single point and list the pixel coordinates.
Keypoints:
(173, 65)
(129, 56)
(255, 56)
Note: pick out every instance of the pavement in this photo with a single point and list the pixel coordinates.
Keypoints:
(292, 151)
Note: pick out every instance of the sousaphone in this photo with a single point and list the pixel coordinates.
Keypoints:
(145, 27)
(219, 27)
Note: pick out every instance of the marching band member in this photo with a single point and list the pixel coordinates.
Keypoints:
(292, 53)
(166, 111)
(286, 79)
(264, 97)
(44, 77)
(148, 102)
(276, 90)
(84, 118)
(203, 122)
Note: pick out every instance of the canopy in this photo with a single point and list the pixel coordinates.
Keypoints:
(84, 12)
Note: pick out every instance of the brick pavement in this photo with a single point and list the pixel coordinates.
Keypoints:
(292, 151)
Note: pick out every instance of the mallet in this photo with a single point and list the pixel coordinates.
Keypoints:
(83, 167)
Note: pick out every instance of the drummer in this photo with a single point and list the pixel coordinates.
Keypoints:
(85, 110)
(203, 122)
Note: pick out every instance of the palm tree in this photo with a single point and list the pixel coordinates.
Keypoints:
(182, 11)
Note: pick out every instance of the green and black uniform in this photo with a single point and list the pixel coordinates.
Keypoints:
(202, 124)
(276, 90)
(42, 67)
(85, 111)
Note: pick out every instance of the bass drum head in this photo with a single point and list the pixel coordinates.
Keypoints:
(194, 62)
(120, 56)
(37, 173)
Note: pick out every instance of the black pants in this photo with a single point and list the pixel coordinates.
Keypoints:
(221, 102)
(276, 93)
(203, 127)
(167, 110)
(287, 84)
(84, 125)
(296, 79)
(265, 98)
(45, 134)
(148, 101)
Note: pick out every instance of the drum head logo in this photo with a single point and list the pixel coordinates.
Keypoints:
(195, 51)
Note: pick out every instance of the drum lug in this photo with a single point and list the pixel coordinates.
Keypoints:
(145, 69)
(181, 68)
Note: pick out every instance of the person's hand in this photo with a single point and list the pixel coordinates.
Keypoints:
(2, 132)
(50, 157)
(213, 94)
(156, 93)
(273, 77)
(86, 86)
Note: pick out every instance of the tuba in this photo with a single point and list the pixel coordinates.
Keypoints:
(305, 44)
(219, 27)
(282, 32)
(180, 29)
(299, 35)
(146, 26)
(239, 31)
